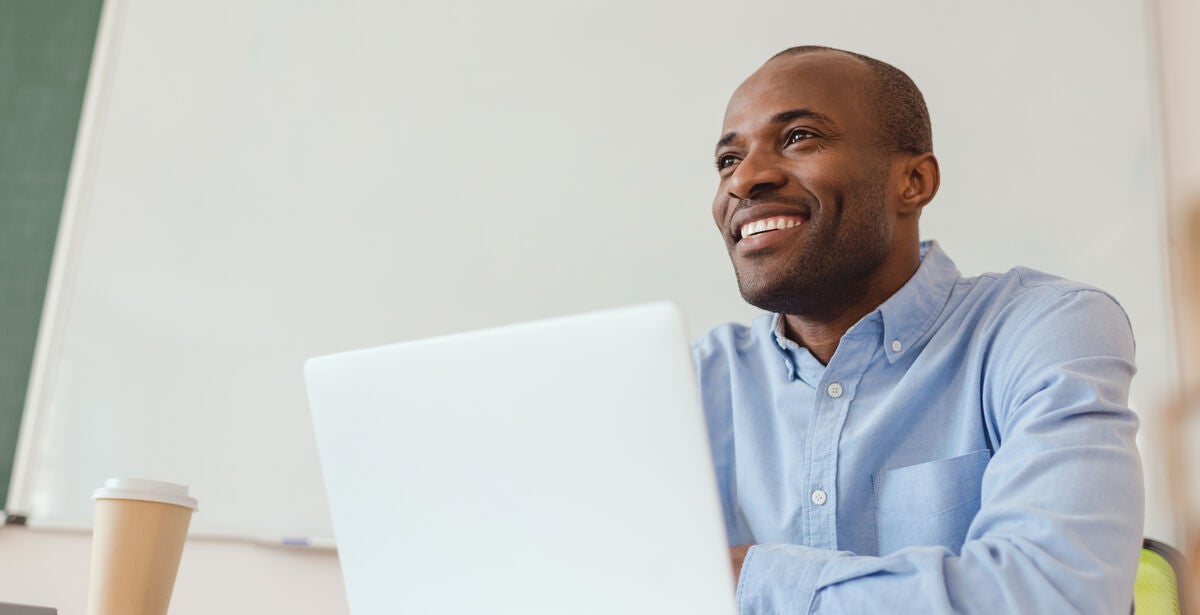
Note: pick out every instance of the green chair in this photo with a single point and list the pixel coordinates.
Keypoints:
(1157, 590)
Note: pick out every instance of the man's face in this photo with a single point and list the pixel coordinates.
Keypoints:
(801, 203)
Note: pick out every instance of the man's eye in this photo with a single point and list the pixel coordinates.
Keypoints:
(726, 161)
(799, 135)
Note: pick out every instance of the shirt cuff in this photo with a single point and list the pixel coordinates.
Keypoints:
(780, 578)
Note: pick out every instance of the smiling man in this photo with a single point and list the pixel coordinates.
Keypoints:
(894, 437)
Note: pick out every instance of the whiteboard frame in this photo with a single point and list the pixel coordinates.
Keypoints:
(49, 342)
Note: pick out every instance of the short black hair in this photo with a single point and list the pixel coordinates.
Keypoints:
(899, 106)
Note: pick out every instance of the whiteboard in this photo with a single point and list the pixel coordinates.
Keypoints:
(257, 182)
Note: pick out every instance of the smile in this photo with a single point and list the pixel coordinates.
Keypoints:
(764, 225)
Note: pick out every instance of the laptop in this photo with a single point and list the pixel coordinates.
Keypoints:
(559, 466)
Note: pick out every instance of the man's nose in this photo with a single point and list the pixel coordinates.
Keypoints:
(754, 174)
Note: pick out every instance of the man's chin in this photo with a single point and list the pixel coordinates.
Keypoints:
(775, 297)
(793, 293)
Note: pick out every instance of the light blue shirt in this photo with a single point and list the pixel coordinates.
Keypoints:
(968, 449)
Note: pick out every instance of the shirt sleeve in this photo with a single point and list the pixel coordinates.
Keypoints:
(1059, 527)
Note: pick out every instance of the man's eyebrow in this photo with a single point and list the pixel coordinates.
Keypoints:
(782, 118)
(796, 114)
(726, 140)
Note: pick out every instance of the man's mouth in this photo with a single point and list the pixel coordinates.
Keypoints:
(766, 225)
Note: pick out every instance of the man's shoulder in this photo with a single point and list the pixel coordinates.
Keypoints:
(1019, 286)
(1030, 308)
(1026, 281)
(1026, 290)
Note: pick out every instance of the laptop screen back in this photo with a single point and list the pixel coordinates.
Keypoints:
(560, 466)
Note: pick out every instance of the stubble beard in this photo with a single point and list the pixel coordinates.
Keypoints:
(834, 269)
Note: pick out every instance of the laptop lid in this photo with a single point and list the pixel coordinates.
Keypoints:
(559, 466)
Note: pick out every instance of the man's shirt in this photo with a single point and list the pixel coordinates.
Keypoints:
(968, 448)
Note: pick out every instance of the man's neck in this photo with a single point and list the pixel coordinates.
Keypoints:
(821, 338)
(821, 333)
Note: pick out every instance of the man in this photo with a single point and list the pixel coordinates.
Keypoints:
(893, 437)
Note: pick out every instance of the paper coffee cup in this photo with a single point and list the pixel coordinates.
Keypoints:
(137, 542)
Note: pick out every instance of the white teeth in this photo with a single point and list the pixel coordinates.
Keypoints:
(769, 224)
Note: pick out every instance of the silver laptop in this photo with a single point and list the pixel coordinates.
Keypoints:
(559, 466)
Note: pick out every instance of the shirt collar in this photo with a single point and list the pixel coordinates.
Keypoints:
(907, 315)
(912, 310)
(797, 360)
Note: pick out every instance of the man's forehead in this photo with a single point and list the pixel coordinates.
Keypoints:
(832, 80)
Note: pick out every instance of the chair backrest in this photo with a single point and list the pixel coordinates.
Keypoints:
(1157, 590)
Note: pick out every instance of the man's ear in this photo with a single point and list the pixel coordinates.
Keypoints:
(919, 182)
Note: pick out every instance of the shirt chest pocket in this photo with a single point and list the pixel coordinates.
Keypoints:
(928, 504)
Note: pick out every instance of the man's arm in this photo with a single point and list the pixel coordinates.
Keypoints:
(1060, 520)
(737, 556)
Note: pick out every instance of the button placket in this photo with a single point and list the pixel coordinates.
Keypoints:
(831, 409)
(827, 425)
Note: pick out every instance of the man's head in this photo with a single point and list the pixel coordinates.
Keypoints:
(832, 150)
(895, 100)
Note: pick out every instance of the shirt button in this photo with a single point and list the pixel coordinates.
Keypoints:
(834, 390)
(896, 346)
(819, 497)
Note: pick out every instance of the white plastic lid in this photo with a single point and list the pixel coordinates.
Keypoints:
(147, 490)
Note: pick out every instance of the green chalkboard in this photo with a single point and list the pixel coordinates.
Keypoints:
(45, 52)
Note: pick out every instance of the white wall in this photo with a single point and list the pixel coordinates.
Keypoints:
(1044, 129)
